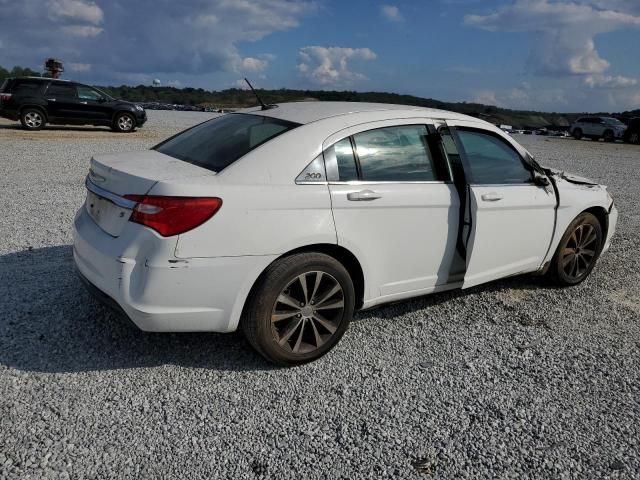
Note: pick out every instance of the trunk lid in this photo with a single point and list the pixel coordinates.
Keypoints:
(111, 177)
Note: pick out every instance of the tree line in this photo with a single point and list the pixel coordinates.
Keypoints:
(237, 98)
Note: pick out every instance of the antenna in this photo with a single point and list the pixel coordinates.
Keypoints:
(262, 104)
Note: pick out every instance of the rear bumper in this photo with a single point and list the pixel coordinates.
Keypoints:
(9, 114)
(138, 274)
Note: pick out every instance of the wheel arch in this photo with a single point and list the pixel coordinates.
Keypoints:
(341, 254)
(124, 110)
(40, 108)
(603, 217)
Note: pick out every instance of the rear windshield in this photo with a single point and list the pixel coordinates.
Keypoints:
(218, 143)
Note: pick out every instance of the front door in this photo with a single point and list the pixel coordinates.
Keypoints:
(510, 218)
(394, 206)
(91, 105)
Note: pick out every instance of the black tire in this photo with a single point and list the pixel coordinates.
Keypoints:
(32, 119)
(579, 243)
(608, 136)
(577, 133)
(124, 122)
(634, 138)
(290, 339)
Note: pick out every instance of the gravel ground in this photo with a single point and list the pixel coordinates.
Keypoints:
(511, 380)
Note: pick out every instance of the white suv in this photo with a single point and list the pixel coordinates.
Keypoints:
(285, 220)
(607, 128)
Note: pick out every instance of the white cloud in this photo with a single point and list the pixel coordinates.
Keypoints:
(251, 65)
(330, 65)
(79, 67)
(82, 30)
(486, 97)
(609, 81)
(192, 37)
(76, 10)
(391, 12)
(563, 31)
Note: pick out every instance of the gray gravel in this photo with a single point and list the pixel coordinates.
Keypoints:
(509, 380)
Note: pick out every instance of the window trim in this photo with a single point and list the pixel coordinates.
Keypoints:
(465, 159)
(333, 173)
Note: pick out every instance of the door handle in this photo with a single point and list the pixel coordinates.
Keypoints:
(51, 99)
(363, 196)
(83, 103)
(491, 197)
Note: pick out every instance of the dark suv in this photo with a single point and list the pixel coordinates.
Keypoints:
(37, 101)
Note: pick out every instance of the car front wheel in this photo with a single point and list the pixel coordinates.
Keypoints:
(608, 136)
(578, 251)
(577, 134)
(300, 308)
(124, 123)
(32, 119)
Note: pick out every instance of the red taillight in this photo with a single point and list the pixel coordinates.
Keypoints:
(173, 215)
(5, 97)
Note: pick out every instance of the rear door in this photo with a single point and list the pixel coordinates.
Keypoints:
(510, 219)
(393, 205)
(61, 101)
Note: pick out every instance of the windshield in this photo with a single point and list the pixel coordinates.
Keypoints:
(105, 95)
(612, 121)
(218, 143)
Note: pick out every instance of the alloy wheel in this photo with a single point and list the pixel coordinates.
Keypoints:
(33, 119)
(307, 312)
(125, 123)
(580, 251)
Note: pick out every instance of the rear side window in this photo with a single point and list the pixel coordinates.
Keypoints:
(395, 154)
(61, 90)
(4, 85)
(218, 143)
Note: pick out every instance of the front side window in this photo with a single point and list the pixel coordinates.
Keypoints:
(491, 160)
(61, 90)
(218, 143)
(88, 93)
(395, 154)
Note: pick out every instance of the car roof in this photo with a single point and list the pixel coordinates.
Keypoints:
(313, 111)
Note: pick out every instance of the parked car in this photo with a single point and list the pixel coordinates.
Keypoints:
(37, 101)
(284, 221)
(595, 128)
(632, 134)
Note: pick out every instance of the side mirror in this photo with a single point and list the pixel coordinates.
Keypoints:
(102, 100)
(541, 181)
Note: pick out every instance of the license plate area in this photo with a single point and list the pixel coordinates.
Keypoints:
(108, 216)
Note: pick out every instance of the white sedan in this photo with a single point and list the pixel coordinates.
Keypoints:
(283, 221)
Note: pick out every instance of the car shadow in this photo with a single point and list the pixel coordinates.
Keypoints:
(50, 323)
(59, 128)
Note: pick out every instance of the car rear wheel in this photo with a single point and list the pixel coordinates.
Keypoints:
(124, 123)
(634, 138)
(578, 251)
(32, 119)
(300, 308)
(577, 133)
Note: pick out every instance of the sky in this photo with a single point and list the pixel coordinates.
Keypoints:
(548, 55)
